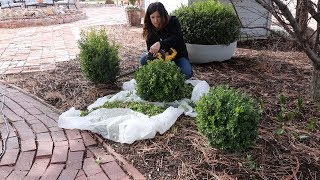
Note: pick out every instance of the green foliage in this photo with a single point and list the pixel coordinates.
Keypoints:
(161, 81)
(145, 108)
(312, 125)
(99, 59)
(229, 119)
(132, 2)
(209, 23)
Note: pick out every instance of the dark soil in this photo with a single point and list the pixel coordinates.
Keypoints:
(259, 68)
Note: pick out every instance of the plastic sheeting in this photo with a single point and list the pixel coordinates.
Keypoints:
(125, 125)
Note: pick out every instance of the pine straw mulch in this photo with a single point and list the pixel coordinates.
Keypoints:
(183, 153)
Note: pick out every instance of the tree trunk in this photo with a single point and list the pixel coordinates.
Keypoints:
(302, 15)
(315, 84)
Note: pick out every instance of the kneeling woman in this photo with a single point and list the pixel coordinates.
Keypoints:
(163, 32)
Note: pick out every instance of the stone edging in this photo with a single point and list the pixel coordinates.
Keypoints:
(16, 23)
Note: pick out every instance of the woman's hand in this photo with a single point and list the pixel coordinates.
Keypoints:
(155, 48)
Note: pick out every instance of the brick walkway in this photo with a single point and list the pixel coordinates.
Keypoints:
(37, 148)
(40, 48)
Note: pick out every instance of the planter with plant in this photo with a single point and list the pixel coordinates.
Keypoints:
(211, 30)
(133, 13)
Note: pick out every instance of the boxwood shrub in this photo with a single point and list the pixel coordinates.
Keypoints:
(161, 81)
(229, 119)
(99, 58)
(209, 23)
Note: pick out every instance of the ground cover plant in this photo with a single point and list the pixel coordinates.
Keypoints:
(287, 145)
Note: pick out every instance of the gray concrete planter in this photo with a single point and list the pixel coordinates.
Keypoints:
(208, 53)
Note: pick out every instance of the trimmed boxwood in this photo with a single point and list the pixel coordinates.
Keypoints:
(208, 23)
(229, 119)
(99, 58)
(161, 81)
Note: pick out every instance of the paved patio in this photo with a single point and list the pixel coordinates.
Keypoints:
(36, 147)
(39, 48)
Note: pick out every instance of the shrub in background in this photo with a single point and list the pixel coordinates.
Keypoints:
(99, 58)
(229, 119)
(161, 81)
(209, 23)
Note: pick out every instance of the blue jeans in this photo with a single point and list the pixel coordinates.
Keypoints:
(183, 63)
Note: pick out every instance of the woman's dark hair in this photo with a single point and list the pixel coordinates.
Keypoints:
(153, 7)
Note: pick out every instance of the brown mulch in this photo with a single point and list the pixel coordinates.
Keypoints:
(265, 69)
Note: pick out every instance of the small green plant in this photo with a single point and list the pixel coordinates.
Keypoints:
(145, 108)
(299, 104)
(161, 81)
(98, 57)
(208, 22)
(229, 119)
(312, 125)
(250, 163)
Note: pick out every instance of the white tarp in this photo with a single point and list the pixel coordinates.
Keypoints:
(125, 125)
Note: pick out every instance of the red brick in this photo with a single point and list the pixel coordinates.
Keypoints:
(26, 105)
(58, 136)
(25, 160)
(90, 167)
(81, 173)
(43, 137)
(102, 154)
(89, 154)
(113, 170)
(88, 139)
(28, 145)
(60, 154)
(46, 120)
(73, 134)
(98, 176)
(75, 160)
(9, 157)
(52, 172)
(39, 128)
(60, 143)
(33, 111)
(44, 148)
(38, 168)
(53, 116)
(31, 119)
(76, 145)
(84, 177)
(3, 130)
(11, 104)
(17, 175)
(20, 112)
(12, 143)
(55, 128)
(24, 130)
(68, 174)
(5, 171)
(11, 115)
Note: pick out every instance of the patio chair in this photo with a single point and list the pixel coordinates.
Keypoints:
(48, 2)
(28, 3)
(67, 3)
(10, 4)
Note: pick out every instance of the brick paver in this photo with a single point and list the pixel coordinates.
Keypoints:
(41, 150)
(37, 148)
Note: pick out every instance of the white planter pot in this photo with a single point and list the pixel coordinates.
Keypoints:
(208, 53)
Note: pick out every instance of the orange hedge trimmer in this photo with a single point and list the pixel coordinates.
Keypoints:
(165, 56)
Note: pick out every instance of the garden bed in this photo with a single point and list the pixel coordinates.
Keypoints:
(24, 17)
(284, 149)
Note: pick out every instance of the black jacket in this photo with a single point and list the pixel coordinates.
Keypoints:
(169, 37)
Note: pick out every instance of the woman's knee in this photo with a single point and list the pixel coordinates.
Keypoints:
(143, 59)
